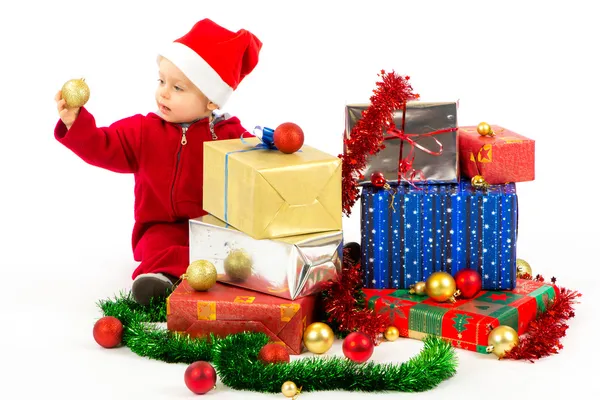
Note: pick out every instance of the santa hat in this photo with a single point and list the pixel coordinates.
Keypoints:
(214, 58)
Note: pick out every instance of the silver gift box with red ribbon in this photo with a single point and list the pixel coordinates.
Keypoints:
(422, 149)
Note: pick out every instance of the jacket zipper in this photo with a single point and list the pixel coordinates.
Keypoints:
(183, 143)
(183, 138)
(211, 127)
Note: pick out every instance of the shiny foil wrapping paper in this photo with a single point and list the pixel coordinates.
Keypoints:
(505, 157)
(224, 310)
(290, 267)
(421, 117)
(268, 194)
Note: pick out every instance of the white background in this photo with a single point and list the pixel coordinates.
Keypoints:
(65, 226)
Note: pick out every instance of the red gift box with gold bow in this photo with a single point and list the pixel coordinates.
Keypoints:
(502, 157)
(225, 310)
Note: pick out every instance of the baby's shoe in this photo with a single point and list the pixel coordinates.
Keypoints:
(148, 286)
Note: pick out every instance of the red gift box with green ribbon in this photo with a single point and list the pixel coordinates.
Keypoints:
(465, 323)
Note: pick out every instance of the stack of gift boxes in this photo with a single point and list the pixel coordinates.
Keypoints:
(274, 232)
(455, 208)
(274, 235)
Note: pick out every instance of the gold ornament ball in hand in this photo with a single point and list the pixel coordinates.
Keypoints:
(501, 339)
(76, 93)
(440, 286)
(238, 265)
(318, 337)
(289, 389)
(391, 333)
(484, 129)
(201, 275)
(524, 269)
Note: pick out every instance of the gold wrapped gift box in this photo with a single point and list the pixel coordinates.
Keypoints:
(269, 194)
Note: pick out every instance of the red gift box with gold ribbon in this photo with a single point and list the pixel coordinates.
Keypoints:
(225, 310)
(503, 157)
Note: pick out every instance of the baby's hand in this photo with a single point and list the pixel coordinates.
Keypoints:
(67, 115)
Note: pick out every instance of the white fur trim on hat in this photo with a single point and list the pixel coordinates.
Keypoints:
(199, 72)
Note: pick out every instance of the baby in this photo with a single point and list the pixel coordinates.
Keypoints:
(164, 150)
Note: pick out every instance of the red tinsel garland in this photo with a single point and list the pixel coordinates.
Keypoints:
(342, 303)
(366, 136)
(544, 333)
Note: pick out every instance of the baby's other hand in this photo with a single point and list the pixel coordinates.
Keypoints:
(66, 114)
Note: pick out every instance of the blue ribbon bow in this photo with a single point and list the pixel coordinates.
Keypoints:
(265, 135)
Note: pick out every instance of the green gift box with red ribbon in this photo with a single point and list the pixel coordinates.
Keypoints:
(467, 322)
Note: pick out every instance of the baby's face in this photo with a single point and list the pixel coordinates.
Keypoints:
(178, 99)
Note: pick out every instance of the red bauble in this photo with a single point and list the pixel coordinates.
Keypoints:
(288, 137)
(273, 353)
(200, 377)
(468, 281)
(358, 347)
(108, 332)
(378, 180)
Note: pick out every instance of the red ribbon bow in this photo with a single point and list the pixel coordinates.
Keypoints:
(406, 170)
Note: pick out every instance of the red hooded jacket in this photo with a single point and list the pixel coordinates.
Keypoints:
(167, 163)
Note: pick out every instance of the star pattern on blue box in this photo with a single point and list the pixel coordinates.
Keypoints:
(443, 227)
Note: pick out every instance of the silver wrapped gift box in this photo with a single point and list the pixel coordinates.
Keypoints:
(421, 118)
(289, 267)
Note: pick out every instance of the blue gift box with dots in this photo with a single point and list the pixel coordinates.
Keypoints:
(410, 232)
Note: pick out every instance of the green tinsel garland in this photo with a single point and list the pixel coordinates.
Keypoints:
(236, 357)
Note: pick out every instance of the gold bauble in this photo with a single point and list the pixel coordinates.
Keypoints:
(418, 288)
(238, 265)
(201, 275)
(76, 93)
(501, 339)
(484, 129)
(440, 286)
(479, 182)
(318, 337)
(391, 333)
(524, 269)
(289, 389)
